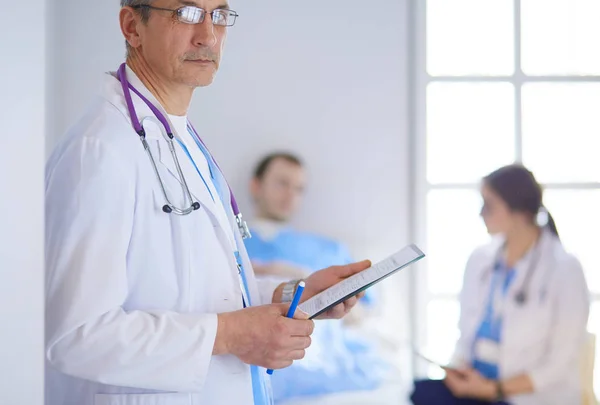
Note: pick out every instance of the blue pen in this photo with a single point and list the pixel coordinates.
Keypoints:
(293, 306)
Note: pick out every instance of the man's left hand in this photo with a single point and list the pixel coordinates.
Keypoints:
(469, 383)
(323, 279)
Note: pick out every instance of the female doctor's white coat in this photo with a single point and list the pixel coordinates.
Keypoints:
(542, 338)
(133, 292)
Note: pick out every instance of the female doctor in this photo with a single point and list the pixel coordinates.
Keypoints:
(524, 308)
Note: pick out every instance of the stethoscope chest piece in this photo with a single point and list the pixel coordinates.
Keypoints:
(167, 209)
(522, 296)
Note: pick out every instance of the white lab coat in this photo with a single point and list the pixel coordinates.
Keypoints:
(132, 292)
(544, 337)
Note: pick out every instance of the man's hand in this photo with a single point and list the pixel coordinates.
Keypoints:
(468, 383)
(263, 336)
(323, 279)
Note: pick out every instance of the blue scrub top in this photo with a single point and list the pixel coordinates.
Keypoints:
(490, 327)
(304, 249)
(348, 361)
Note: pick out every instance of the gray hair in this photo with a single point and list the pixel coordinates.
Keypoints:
(145, 12)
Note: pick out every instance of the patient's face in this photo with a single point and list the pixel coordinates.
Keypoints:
(495, 212)
(279, 193)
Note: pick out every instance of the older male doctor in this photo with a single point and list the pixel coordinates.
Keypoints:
(151, 298)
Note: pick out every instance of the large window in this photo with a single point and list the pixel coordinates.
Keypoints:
(499, 81)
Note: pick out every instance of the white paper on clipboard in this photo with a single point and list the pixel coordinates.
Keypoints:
(353, 285)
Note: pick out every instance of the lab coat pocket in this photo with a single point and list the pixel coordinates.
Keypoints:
(142, 399)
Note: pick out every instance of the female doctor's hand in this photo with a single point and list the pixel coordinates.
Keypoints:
(263, 336)
(323, 279)
(469, 383)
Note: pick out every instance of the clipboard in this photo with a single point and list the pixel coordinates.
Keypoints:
(359, 282)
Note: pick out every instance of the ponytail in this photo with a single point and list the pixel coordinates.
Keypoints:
(551, 225)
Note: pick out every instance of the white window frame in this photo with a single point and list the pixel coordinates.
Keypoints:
(420, 186)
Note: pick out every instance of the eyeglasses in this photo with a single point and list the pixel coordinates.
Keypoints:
(195, 15)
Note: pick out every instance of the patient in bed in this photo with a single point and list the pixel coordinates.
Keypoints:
(339, 359)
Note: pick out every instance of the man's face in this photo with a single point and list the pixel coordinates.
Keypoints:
(278, 194)
(180, 53)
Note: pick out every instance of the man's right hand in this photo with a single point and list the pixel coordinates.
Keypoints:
(263, 336)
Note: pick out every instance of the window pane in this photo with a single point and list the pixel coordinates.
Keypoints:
(454, 230)
(560, 37)
(560, 131)
(578, 221)
(442, 332)
(470, 130)
(470, 37)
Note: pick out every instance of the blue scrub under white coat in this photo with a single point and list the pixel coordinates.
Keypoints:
(260, 383)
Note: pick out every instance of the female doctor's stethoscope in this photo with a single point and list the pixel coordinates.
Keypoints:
(522, 295)
(169, 207)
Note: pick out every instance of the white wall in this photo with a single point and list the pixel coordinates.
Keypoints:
(327, 80)
(22, 113)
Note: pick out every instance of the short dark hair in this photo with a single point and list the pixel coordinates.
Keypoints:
(263, 165)
(519, 189)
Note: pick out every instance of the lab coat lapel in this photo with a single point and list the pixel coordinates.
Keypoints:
(246, 263)
(198, 189)
(225, 215)
(537, 258)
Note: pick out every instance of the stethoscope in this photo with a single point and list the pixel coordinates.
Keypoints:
(169, 207)
(522, 296)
